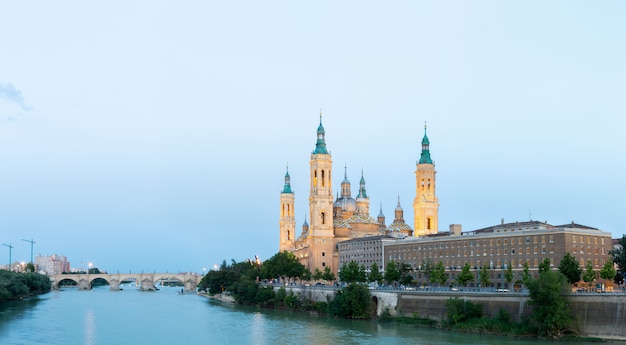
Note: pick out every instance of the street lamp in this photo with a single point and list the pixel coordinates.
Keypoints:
(31, 249)
(10, 249)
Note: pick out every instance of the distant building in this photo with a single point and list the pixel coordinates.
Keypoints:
(363, 250)
(499, 246)
(345, 218)
(53, 264)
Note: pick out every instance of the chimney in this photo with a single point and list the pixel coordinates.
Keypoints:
(455, 229)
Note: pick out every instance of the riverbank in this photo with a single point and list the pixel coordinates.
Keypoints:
(220, 297)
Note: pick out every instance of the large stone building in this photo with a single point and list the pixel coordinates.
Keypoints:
(334, 220)
(502, 245)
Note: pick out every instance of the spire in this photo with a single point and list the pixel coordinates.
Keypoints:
(362, 192)
(425, 157)
(320, 146)
(287, 187)
(380, 214)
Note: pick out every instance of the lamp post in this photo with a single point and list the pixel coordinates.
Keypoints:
(31, 249)
(10, 249)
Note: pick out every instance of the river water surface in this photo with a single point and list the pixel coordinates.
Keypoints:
(100, 316)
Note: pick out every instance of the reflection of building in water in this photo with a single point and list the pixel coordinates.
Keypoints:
(53, 264)
(333, 220)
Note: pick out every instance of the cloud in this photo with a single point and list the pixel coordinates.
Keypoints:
(10, 93)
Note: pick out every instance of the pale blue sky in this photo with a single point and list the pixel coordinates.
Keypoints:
(154, 136)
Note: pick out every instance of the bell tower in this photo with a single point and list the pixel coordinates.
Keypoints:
(287, 219)
(426, 204)
(321, 194)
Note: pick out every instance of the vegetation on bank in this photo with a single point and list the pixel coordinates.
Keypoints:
(17, 285)
(551, 315)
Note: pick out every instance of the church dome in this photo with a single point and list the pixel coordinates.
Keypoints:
(347, 204)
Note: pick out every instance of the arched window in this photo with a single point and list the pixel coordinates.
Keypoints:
(288, 235)
(323, 218)
(315, 178)
(428, 223)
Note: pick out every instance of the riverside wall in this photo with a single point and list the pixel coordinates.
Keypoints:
(599, 315)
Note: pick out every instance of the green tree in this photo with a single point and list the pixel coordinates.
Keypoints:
(375, 275)
(590, 275)
(484, 276)
(392, 273)
(544, 265)
(608, 271)
(352, 272)
(570, 269)
(405, 274)
(284, 265)
(352, 302)
(439, 275)
(508, 274)
(328, 275)
(619, 256)
(465, 276)
(525, 273)
(459, 310)
(317, 274)
(426, 268)
(550, 308)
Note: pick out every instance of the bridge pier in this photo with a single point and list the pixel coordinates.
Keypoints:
(114, 284)
(190, 285)
(147, 285)
(83, 284)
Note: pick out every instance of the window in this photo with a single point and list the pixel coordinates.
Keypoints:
(323, 181)
(323, 264)
(323, 254)
(323, 218)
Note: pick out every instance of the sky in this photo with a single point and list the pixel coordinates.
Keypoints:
(155, 136)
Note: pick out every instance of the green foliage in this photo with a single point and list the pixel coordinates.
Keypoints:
(15, 285)
(29, 267)
(459, 310)
(550, 308)
(282, 265)
(484, 276)
(352, 302)
(619, 255)
(569, 268)
(525, 273)
(245, 291)
(265, 295)
(405, 274)
(607, 271)
(438, 275)
(375, 275)
(590, 274)
(328, 275)
(508, 274)
(427, 269)
(465, 276)
(352, 273)
(392, 273)
(544, 265)
(317, 274)
(228, 276)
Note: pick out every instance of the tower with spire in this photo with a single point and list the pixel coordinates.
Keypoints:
(287, 221)
(426, 204)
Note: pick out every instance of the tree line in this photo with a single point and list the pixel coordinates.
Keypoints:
(17, 285)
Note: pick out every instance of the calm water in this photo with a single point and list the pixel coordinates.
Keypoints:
(100, 316)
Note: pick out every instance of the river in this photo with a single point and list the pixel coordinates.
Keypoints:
(100, 316)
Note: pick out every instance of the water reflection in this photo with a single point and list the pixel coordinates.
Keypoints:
(90, 327)
(13, 310)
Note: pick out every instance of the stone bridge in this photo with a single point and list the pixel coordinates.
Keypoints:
(144, 281)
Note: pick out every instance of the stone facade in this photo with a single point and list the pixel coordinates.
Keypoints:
(345, 218)
(502, 245)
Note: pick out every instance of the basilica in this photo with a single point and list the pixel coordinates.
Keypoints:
(341, 218)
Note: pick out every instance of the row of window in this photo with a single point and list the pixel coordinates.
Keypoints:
(501, 263)
(506, 241)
